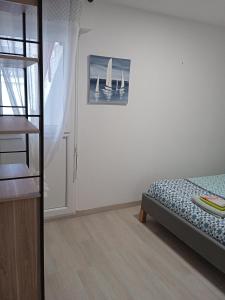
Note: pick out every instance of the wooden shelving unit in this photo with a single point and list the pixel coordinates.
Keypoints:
(18, 189)
(21, 192)
(13, 171)
(17, 6)
(16, 125)
(16, 61)
(23, 2)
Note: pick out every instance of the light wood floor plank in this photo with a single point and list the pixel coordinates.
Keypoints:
(112, 256)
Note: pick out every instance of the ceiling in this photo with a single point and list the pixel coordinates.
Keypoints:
(210, 11)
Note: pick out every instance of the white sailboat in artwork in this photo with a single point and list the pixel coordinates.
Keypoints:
(97, 86)
(108, 85)
(122, 87)
(117, 85)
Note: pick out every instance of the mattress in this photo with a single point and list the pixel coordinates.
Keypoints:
(176, 195)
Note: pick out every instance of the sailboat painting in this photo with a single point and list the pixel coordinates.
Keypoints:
(109, 80)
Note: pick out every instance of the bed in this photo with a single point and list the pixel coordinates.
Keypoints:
(169, 202)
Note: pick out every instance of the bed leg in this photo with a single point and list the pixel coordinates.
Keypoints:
(142, 216)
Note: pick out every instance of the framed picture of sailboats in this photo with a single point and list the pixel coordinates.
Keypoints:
(108, 80)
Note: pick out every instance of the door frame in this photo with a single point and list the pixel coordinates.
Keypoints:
(69, 208)
(70, 134)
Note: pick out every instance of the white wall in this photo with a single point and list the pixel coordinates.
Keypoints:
(174, 122)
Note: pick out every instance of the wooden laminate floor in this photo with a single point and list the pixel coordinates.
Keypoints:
(111, 255)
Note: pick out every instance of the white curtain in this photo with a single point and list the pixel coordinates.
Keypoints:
(11, 94)
(11, 80)
(61, 32)
(60, 40)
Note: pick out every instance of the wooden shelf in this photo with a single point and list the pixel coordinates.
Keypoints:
(17, 189)
(16, 125)
(13, 170)
(22, 2)
(17, 6)
(16, 61)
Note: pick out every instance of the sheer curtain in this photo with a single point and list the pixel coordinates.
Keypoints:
(11, 94)
(60, 39)
(11, 80)
(61, 32)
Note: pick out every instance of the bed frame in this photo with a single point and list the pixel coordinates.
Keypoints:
(199, 241)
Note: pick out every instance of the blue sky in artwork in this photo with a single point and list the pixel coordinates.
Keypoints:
(98, 67)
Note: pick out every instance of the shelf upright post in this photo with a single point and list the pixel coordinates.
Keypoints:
(41, 141)
(25, 86)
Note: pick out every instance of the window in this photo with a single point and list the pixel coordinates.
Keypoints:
(11, 90)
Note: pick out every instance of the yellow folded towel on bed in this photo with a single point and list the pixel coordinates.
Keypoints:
(208, 208)
(212, 204)
(215, 200)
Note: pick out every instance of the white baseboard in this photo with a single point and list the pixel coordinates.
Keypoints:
(97, 210)
(58, 213)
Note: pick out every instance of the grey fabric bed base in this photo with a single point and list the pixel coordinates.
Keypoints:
(203, 244)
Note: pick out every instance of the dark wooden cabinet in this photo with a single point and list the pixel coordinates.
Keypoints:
(20, 275)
